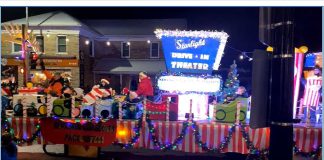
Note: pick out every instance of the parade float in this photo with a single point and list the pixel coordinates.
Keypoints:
(182, 121)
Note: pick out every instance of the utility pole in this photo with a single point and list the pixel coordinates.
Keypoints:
(25, 48)
(281, 80)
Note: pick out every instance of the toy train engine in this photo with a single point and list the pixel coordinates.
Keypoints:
(87, 111)
(33, 105)
(104, 108)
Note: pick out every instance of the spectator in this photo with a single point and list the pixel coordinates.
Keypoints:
(8, 147)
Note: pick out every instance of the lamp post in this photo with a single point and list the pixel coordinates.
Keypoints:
(281, 88)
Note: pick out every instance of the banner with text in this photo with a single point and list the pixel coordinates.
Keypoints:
(78, 133)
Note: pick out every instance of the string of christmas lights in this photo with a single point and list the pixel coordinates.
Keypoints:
(254, 153)
(204, 76)
(314, 154)
(19, 141)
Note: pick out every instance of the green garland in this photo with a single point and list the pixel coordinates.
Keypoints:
(7, 129)
(254, 153)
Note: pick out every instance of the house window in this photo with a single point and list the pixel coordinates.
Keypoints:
(61, 44)
(16, 47)
(40, 40)
(154, 50)
(125, 50)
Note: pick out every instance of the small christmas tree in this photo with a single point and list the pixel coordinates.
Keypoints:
(231, 83)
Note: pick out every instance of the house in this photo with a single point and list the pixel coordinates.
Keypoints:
(127, 47)
(90, 50)
(61, 38)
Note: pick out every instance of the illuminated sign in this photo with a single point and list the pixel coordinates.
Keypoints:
(182, 84)
(192, 51)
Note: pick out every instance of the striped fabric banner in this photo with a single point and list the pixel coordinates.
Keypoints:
(25, 128)
(298, 68)
(311, 93)
(308, 139)
(212, 133)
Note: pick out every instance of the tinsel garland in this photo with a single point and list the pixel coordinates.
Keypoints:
(7, 129)
(204, 146)
(158, 145)
(314, 154)
(254, 153)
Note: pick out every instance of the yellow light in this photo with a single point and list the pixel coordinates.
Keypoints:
(303, 49)
(121, 133)
(29, 85)
(21, 70)
(297, 50)
(36, 74)
(269, 49)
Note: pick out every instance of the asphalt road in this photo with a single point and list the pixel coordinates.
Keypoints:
(134, 156)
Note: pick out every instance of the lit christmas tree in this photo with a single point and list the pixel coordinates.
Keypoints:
(231, 84)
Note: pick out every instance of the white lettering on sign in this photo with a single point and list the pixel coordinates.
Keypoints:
(188, 84)
(192, 44)
(189, 65)
(204, 56)
(182, 55)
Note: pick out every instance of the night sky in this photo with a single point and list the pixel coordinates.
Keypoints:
(241, 23)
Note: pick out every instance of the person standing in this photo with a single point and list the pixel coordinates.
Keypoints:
(145, 88)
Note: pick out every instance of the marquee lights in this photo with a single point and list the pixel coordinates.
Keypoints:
(202, 34)
(183, 84)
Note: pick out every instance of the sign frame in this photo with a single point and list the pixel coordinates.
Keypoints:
(194, 44)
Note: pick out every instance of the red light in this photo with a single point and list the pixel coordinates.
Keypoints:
(35, 56)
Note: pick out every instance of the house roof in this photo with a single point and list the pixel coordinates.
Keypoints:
(103, 26)
(57, 18)
(52, 19)
(128, 66)
(135, 26)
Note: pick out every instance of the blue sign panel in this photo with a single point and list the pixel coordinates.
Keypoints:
(310, 60)
(190, 54)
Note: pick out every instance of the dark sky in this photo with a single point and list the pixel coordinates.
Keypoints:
(241, 23)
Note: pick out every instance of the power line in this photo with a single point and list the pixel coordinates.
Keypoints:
(243, 53)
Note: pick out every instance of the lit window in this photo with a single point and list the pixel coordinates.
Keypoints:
(61, 44)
